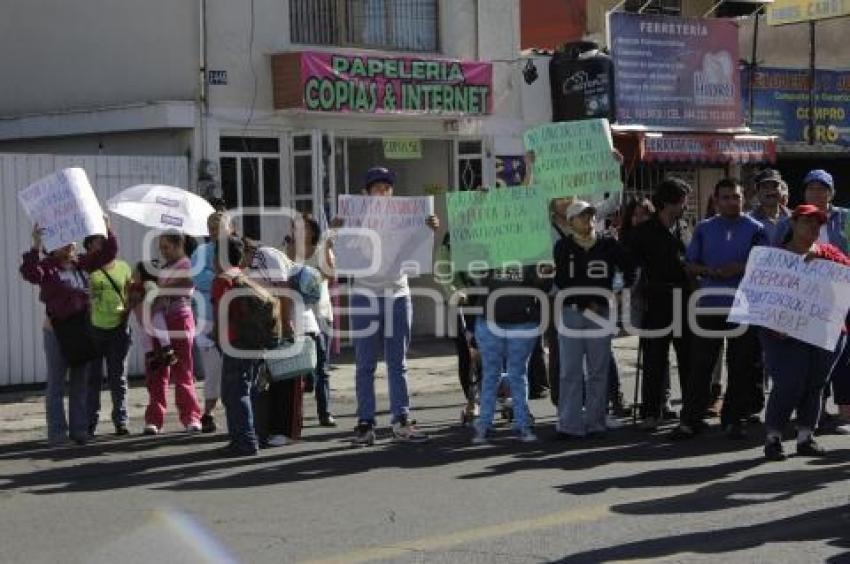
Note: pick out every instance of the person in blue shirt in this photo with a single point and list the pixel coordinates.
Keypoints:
(770, 212)
(717, 257)
(819, 190)
(207, 357)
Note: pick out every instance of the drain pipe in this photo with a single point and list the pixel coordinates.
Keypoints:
(203, 93)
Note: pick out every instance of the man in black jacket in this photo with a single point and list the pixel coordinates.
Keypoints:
(659, 252)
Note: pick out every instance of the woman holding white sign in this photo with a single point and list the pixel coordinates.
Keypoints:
(63, 281)
(799, 370)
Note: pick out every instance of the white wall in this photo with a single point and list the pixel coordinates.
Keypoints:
(22, 358)
(59, 55)
(174, 142)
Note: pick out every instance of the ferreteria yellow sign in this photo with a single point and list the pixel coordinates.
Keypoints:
(783, 12)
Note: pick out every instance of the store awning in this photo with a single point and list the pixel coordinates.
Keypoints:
(696, 148)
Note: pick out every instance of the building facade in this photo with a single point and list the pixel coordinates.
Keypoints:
(201, 79)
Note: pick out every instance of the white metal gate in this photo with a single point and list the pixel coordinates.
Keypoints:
(21, 314)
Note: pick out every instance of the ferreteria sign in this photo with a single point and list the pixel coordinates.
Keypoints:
(352, 82)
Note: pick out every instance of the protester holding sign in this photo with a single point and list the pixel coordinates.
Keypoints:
(63, 281)
(585, 265)
(381, 316)
(819, 190)
(506, 334)
(717, 255)
(799, 370)
(109, 316)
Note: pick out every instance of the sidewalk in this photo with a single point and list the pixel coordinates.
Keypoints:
(432, 369)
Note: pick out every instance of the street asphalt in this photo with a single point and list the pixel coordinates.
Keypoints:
(628, 496)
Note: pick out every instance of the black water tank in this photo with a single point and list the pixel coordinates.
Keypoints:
(582, 82)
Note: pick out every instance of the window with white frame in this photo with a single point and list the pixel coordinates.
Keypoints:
(402, 25)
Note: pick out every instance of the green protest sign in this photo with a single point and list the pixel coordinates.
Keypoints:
(498, 227)
(574, 158)
(402, 148)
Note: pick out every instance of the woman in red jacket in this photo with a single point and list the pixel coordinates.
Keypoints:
(799, 371)
(63, 281)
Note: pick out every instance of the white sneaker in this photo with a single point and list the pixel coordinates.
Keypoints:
(612, 422)
(480, 436)
(193, 428)
(405, 430)
(525, 435)
(277, 441)
(151, 430)
(843, 429)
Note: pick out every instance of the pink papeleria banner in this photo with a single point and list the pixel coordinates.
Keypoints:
(343, 82)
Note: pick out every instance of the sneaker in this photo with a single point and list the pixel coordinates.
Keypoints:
(481, 436)
(327, 420)
(682, 432)
(773, 450)
(810, 447)
(151, 430)
(232, 451)
(669, 415)
(649, 424)
(207, 423)
(364, 434)
(525, 435)
(735, 431)
(193, 428)
(121, 430)
(843, 429)
(405, 430)
(80, 441)
(277, 441)
(58, 441)
(612, 422)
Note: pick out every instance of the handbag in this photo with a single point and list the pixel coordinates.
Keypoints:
(292, 358)
(125, 316)
(75, 339)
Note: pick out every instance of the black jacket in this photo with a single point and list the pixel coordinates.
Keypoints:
(513, 308)
(576, 267)
(660, 253)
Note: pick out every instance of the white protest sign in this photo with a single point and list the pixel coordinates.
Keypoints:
(384, 236)
(806, 300)
(64, 205)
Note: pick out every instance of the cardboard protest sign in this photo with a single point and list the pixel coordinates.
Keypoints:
(497, 227)
(65, 205)
(806, 300)
(574, 158)
(384, 236)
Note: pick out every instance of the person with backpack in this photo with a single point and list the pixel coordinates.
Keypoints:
(110, 329)
(244, 324)
(382, 301)
(63, 281)
(281, 406)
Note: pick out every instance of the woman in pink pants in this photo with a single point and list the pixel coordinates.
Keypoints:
(176, 287)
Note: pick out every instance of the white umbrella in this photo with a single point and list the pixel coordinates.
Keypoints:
(163, 207)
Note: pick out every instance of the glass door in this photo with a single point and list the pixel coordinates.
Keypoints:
(250, 183)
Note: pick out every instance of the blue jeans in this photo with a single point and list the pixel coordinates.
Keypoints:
(320, 375)
(238, 377)
(799, 371)
(391, 320)
(115, 344)
(511, 346)
(584, 393)
(83, 394)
